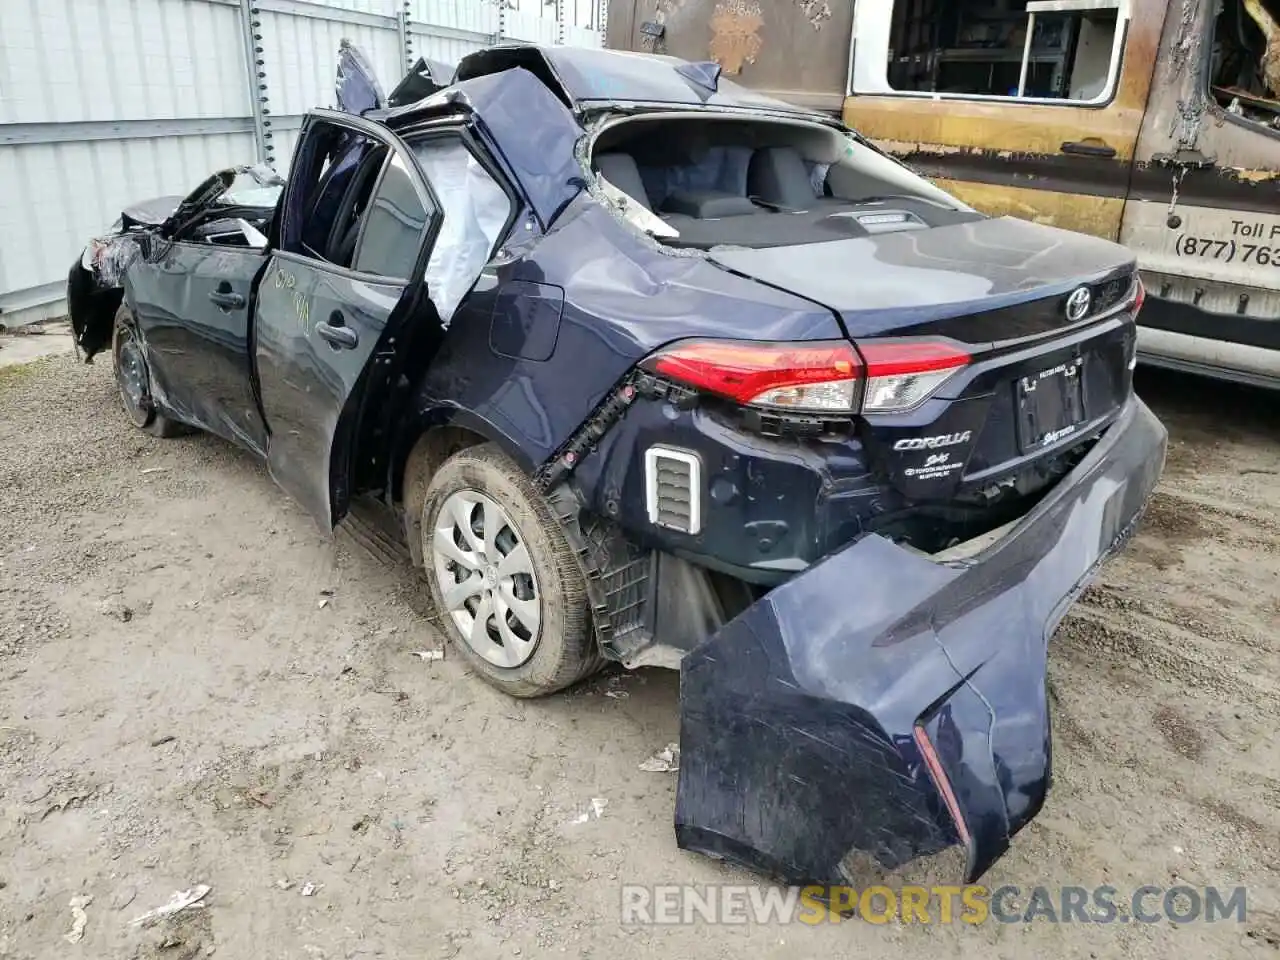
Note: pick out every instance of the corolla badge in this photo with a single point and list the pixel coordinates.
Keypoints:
(934, 442)
(1078, 304)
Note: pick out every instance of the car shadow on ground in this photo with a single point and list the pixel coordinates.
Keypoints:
(1239, 412)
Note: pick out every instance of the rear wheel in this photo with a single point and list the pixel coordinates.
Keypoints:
(133, 379)
(508, 587)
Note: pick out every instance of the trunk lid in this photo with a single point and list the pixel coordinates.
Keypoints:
(1046, 371)
(940, 280)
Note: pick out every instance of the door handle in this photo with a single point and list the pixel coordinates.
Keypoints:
(337, 334)
(227, 300)
(1088, 148)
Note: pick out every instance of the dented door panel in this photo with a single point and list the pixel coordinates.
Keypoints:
(801, 753)
(157, 292)
(209, 352)
(311, 386)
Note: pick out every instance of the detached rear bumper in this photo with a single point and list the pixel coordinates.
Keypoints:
(806, 721)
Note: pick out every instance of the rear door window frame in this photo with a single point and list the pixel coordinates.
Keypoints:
(434, 221)
(431, 203)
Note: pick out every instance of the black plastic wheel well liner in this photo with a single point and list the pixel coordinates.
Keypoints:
(415, 467)
(92, 311)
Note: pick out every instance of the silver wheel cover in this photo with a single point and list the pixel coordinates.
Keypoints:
(488, 585)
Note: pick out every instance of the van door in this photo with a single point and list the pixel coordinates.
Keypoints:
(1025, 109)
(1204, 213)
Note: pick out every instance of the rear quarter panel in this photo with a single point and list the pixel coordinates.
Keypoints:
(623, 299)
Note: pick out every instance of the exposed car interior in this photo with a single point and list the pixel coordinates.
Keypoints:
(241, 216)
(347, 171)
(341, 247)
(762, 183)
(229, 231)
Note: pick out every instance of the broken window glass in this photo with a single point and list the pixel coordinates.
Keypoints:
(1245, 72)
(257, 186)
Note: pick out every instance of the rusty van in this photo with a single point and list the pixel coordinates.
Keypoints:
(1155, 123)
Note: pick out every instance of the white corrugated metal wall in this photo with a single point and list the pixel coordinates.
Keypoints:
(106, 102)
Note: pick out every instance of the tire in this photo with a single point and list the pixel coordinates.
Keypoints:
(133, 381)
(528, 658)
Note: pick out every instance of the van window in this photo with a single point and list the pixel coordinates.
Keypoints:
(1064, 51)
(1243, 79)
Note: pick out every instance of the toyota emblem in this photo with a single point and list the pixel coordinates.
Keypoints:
(1078, 304)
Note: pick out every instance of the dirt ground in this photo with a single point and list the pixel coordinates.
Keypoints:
(198, 688)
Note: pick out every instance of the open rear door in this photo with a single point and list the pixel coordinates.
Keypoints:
(332, 297)
(372, 265)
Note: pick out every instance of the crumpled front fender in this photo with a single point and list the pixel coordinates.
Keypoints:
(884, 704)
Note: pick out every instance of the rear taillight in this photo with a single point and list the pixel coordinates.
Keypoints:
(797, 376)
(902, 374)
(891, 376)
(1139, 296)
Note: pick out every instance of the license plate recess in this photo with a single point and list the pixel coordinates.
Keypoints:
(1050, 404)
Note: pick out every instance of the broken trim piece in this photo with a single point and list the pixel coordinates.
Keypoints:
(617, 574)
(634, 213)
(607, 413)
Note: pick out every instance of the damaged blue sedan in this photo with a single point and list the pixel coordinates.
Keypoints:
(654, 369)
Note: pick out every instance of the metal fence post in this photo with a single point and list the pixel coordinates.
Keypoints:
(602, 21)
(502, 20)
(560, 22)
(256, 74)
(406, 40)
